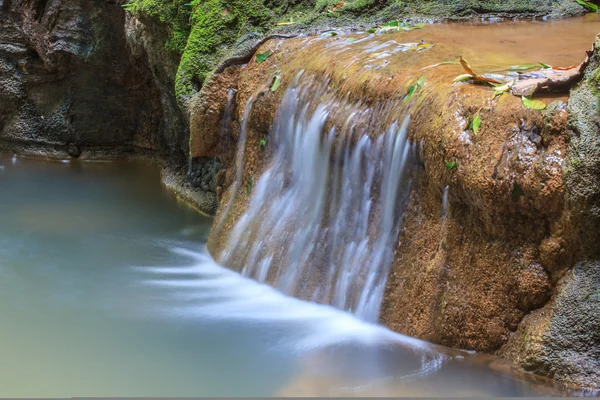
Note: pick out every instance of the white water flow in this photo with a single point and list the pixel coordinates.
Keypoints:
(323, 220)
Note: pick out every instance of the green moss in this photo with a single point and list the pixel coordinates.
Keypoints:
(174, 14)
(216, 26)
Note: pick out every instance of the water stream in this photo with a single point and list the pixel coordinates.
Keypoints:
(105, 291)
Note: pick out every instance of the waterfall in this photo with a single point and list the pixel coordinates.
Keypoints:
(323, 220)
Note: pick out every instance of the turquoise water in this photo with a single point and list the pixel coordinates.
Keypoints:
(106, 290)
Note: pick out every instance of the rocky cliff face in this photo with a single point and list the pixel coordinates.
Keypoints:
(70, 82)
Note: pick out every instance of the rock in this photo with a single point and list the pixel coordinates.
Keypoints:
(73, 150)
(562, 341)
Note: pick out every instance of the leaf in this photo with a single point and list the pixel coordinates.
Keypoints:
(352, 39)
(533, 104)
(564, 68)
(477, 78)
(588, 4)
(451, 62)
(285, 23)
(412, 89)
(523, 67)
(451, 166)
(261, 57)
(462, 78)
(411, 92)
(372, 30)
(263, 143)
(392, 23)
(249, 185)
(276, 83)
(498, 90)
(544, 65)
(476, 123)
(466, 66)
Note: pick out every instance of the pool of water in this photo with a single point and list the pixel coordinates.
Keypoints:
(106, 290)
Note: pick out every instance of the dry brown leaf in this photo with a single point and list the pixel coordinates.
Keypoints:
(556, 78)
(477, 78)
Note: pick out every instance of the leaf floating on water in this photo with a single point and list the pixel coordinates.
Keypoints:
(587, 4)
(523, 67)
(545, 65)
(276, 83)
(262, 57)
(462, 78)
(533, 104)
(451, 62)
(424, 46)
(352, 39)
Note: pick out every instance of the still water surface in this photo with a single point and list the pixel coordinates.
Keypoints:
(106, 290)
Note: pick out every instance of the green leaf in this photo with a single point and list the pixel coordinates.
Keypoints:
(352, 39)
(545, 65)
(372, 30)
(263, 142)
(261, 57)
(523, 67)
(392, 23)
(410, 93)
(588, 4)
(412, 89)
(533, 104)
(476, 123)
(462, 78)
(451, 166)
(276, 83)
(249, 185)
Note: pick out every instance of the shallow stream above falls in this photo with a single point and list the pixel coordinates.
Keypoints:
(105, 291)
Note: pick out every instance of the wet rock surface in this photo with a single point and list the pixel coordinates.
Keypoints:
(68, 80)
(472, 275)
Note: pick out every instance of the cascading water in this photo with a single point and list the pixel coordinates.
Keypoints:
(323, 219)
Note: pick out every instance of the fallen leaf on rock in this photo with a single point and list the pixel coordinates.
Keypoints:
(549, 78)
(476, 123)
(476, 78)
(276, 83)
(261, 57)
(523, 67)
(533, 104)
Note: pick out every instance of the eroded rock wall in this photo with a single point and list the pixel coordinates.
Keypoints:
(476, 270)
(70, 83)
